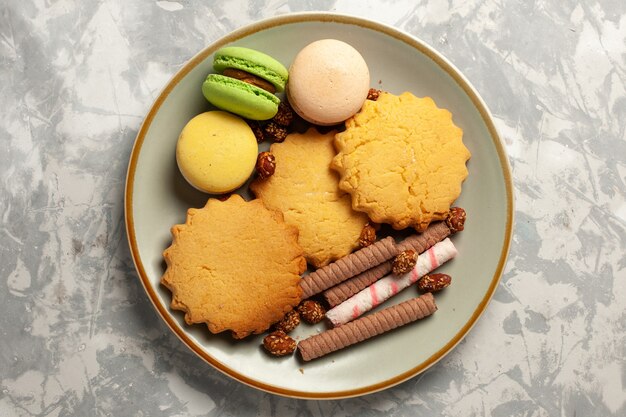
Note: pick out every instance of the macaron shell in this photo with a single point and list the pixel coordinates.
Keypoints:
(252, 61)
(294, 105)
(328, 82)
(239, 97)
(216, 152)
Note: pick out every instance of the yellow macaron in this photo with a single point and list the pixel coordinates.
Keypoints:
(216, 152)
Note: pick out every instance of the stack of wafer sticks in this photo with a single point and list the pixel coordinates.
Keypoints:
(354, 285)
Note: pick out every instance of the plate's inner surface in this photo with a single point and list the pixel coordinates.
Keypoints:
(160, 198)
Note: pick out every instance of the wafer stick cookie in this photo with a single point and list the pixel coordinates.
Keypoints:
(435, 233)
(367, 327)
(421, 242)
(389, 286)
(348, 266)
(341, 292)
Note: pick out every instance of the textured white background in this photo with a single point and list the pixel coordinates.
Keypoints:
(78, 334)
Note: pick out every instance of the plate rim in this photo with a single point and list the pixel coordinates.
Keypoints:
(324, 17)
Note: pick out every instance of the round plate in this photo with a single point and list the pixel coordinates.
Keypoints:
(157, 197)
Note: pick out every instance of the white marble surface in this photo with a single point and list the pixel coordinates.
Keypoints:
(78, 334)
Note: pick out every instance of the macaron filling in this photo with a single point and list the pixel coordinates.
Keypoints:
(252, 79)
(249, 88)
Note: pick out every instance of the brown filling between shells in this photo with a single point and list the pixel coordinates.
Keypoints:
(246, 77)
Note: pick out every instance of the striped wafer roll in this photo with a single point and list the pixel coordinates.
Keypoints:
(341, 292)
(348, 266)
(387, 287)
(421, 242)
(367, 327)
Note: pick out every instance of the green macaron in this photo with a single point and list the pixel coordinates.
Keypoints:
(252, 61)
(239, 97)
(243, 98)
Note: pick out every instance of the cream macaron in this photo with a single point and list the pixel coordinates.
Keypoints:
(328, 82)
(216, 152)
